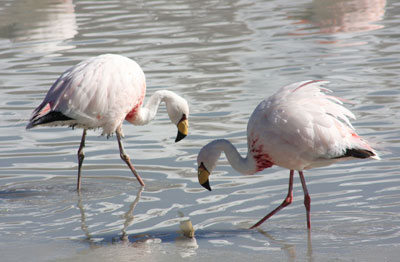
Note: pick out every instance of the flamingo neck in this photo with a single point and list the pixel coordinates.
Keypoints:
(244, 165)
(148, 112)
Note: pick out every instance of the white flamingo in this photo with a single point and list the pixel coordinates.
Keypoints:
(102, 92)
(298, 128)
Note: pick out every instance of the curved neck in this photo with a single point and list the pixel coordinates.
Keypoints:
(245, 165)
(149, 111)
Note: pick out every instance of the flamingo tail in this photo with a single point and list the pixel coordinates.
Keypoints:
(52, 116)
(359, 153)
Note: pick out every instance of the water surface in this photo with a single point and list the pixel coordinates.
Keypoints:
(223, 57)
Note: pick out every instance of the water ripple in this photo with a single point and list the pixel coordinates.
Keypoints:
(223, 57)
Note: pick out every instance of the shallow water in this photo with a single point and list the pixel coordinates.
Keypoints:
(224, 57)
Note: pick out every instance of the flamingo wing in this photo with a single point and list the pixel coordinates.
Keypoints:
(302, 127)
(98, 92)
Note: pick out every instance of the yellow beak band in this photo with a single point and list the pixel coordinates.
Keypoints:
(203, 175)
(183, 129)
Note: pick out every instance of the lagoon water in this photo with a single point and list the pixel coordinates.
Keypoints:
(223, 57)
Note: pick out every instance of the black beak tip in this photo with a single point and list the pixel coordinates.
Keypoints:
(179, 137)
(206, 185)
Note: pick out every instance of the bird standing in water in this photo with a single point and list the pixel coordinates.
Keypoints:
(102, 92)
(299, 127)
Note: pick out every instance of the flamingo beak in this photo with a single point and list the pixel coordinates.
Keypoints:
(203, 175)
(183, 129)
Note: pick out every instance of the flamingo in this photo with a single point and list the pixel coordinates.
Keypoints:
(299, 127)
(102, 92)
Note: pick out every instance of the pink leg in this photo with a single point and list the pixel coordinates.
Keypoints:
(286, 202)
(126, 158)
(307, 199)
(81, 156)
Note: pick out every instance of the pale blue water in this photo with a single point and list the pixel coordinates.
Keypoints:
(223, 57)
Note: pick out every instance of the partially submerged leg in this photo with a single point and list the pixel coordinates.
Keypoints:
(287, 201)
(125, 157)
(81, 156)
(307, 199)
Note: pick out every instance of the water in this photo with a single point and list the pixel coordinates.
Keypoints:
(223, 57)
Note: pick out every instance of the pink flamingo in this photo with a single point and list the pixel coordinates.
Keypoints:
(298, 128)
(102, 92)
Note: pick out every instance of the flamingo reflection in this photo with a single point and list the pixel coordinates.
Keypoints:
(341, 16)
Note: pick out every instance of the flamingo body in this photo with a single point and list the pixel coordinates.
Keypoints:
(99, 92)
(299, 127)
(102, 92)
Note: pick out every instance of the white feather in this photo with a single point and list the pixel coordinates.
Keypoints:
(99, 93)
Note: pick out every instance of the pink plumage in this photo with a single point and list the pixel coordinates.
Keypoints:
(299, 127)
(302, 127)
(96, 93)
(102, 92)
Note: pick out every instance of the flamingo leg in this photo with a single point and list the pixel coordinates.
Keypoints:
(307, 199)
(81, 156)
(125, 157)
(287, 201)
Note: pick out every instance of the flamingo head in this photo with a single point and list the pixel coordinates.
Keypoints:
(207, 161)
(178, 112)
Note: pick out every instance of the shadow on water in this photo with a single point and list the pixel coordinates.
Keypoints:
(188, 245)
(185, 240)
(20, 194)
(128, 216)
(45, 195)
(97, 221)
